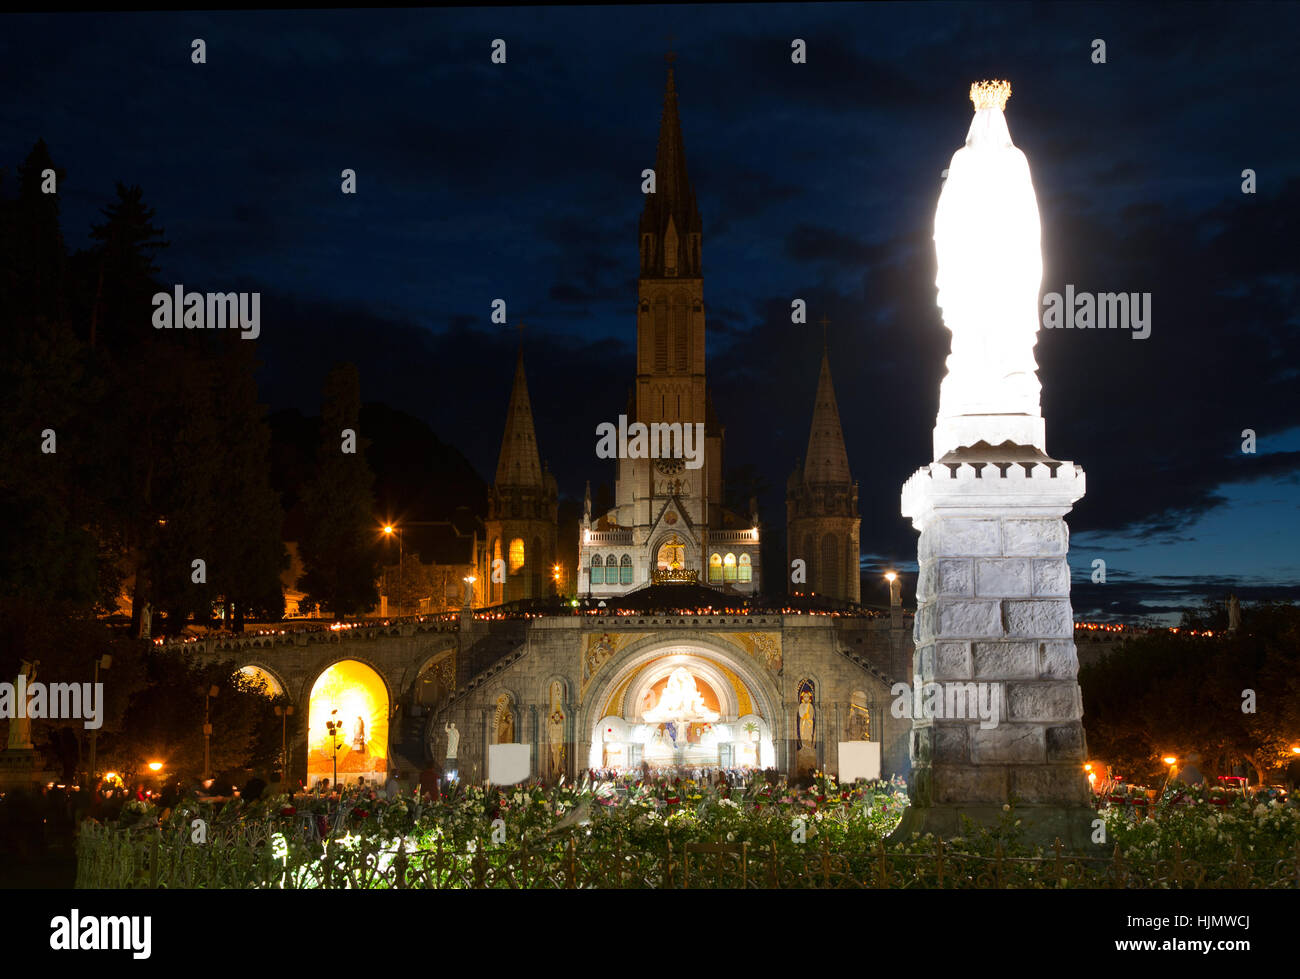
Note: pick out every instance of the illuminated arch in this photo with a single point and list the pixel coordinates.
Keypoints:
(258, 675)
(746, 568)
(353, 693)
(517, 555)
(729, 568)
(715, 567)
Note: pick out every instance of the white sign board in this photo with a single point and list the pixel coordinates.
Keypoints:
(509, 764)
(859, 759)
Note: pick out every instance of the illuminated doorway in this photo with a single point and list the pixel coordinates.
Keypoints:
(351, 696)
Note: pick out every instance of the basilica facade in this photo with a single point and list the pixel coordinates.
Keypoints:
(672, 656)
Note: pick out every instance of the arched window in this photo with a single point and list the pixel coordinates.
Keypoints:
(625, 570)
(746, 569)
(516, 554)
(597, 570)
(715, 568)
(672, 554)
(729, 568)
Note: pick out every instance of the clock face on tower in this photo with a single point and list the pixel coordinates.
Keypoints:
(670, 467)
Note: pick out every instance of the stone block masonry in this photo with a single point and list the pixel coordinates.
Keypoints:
(993, 607)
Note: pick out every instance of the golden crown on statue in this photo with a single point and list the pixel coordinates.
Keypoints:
(990, 95)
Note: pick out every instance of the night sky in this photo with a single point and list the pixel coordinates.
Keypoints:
(819, 181)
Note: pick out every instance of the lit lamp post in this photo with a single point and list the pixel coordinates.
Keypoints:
(390, 530)
(284, 713)
(212, 691)
(101, 662)
(1171, 761)
(555, 573)
(335, 728)
(469, 590)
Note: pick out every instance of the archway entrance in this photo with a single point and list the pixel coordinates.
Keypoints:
(682, 710)
(347, 723)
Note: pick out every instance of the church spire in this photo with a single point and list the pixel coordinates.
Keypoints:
(670, 224)
(827, 460)
(519, 463)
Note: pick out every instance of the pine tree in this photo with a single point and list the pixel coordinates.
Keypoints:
(339, 548)
(125, 271)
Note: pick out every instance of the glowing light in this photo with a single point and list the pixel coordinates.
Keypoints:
(890, 576)
(358, 695)
(987, 240)
(155, 766)
(388, 528)
(1170, 759)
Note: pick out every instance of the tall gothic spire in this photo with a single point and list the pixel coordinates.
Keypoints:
(519, 463)
(671, 216)
(827, 460)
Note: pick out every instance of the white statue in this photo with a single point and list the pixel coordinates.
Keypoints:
(453, 740)
(20, 728)
(681, 701)
(987, 241)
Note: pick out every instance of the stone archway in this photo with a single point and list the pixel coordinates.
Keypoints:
(353, 694)
(725, 686)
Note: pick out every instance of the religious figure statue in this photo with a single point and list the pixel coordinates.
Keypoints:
(505, 722)
(20, 728)
(807, 718)
(680, 701)
(453, 740)
(1234, 613)
(359, 736)
(988, 242)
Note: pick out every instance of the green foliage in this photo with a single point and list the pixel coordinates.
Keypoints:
(340, 548)
(1177, 693)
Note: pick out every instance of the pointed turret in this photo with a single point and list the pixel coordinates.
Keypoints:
(522, 510)
(519, 463)
(670, 224)
(822, 522)
(828, 460)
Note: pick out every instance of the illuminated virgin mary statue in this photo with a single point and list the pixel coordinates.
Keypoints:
(987, 240)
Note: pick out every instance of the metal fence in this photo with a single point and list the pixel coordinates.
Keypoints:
(255, 857)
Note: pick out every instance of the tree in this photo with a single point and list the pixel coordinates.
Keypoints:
(1175, 693)
(124, 270)
(339, 546)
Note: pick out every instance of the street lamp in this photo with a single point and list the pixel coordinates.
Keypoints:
(212, 691)
(284, 713)
(389, 529)
(555, 573)
(334, 728)
(101, 662)
(469, 580)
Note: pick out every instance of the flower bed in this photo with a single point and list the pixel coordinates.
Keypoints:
(661, 833)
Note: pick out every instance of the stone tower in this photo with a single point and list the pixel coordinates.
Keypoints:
(821, 501)
(522, 517)
(668, 524)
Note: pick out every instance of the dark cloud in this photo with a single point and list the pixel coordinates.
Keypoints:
(816, 181)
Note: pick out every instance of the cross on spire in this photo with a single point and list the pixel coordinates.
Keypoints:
(825, 322)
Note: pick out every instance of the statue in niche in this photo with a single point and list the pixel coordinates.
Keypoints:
(453, 741)
(807, 717)
(359, 736)
(505, 722)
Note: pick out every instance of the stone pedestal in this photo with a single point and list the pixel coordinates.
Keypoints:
(994, 625)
